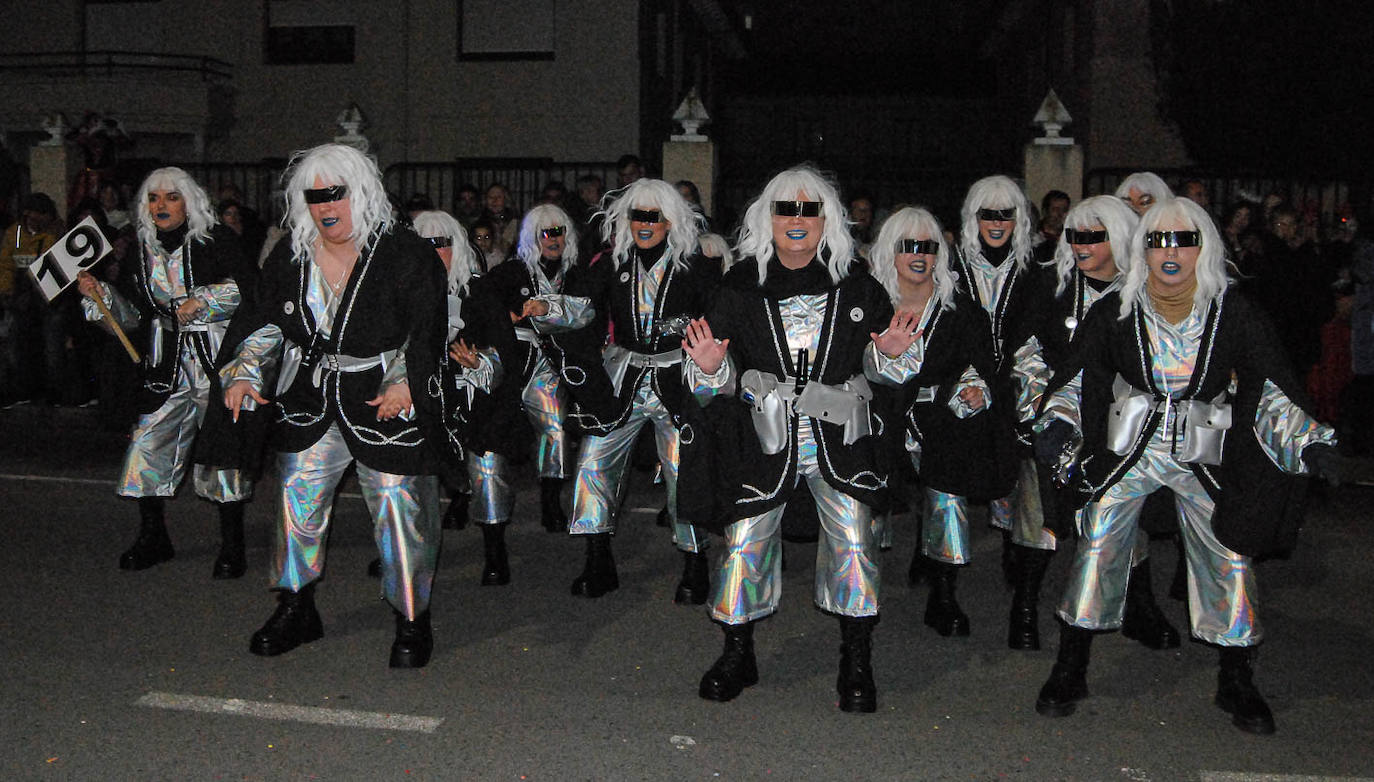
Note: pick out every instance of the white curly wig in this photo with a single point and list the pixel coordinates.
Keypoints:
(756, 232)
(536, 220)
(1112, 214)
(686, 223)
(200, 215)
(912, 222)
(997, 192)
(1211, 260)
(438, 224)
(335, 164)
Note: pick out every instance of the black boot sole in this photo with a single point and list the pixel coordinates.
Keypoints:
(594, 588)
(418, 657)
(494, 577)
(721, 689)
(948, 626)
(1260, 726)
(137, 560)
(264, 646)
(1055, 709)
(691, 595)
(228, 567)
(864, 704)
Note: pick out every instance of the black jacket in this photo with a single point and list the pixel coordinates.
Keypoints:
(1253, 513)
(748, 481)
(394, 298)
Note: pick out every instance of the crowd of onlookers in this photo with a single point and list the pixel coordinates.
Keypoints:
(1315, 279)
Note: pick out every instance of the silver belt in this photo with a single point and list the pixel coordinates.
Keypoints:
(774, 400)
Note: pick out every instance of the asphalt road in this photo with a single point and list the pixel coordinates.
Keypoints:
(119, 675)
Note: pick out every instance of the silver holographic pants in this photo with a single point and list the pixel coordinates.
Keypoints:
(545, 403)
(405, 510)
(161, 444)
(748, 583)
(601, 470)
(1221, 583)
(493, 497)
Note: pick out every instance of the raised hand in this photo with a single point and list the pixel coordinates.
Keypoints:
(701, 345)
(899, 336)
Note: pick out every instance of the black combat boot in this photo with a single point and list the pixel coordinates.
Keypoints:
(496, 569)
(1023, 627)
(456, 517)
(855, 682)
(414, 641)
(1143, 620)
(942, 610)
(735, 669)
(1068, 682)
(695, 585)
(295, 622)
(598, 574)
(551, 505)
(1236, 692)
(152, 545)
(232, 561)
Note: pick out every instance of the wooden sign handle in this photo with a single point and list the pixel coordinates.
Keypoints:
(116, 330)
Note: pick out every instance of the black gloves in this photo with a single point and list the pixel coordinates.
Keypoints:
(1326, 462)
(1049, 444)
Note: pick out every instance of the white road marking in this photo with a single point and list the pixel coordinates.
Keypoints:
(284, 711)
(1250, 776)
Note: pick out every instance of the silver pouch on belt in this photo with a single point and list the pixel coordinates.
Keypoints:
(616, 360)
(770, 410)
(846, 404)
(1127, 415)
(1204, 429)
(291, 357)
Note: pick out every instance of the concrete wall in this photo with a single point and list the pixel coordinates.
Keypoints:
(419, 101)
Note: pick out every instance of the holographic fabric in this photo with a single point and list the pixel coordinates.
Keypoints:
(601, 468)
(1221, 583)
(1028, 525)
(493, 497)
(1002, 511)
(945, 528)
(1284, 430)
(405, 511)
(545, 403)
(748, 581)
(988, 279)
(161, 443)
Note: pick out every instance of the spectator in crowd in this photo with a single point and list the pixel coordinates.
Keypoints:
(629, 168)
(23, 307)
(503, 217)
(1289, 270)
(1358, 408)
(1195, 190)
(484, 239)
(116, 212)
(467, 207)
(1242, 245)
(862, 226)
(1053, 207)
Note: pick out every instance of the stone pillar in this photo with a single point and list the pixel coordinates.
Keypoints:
(1053, 167)
(52, 170)
(694, 160)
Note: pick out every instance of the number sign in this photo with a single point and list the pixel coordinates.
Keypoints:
(79, 249)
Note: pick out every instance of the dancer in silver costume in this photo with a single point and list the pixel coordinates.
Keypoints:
(1181, 384)
(350, 318)
(1090, 260)
(536, 287)
(939, 407)
(647, 288)
(187, 287)
(480, 409)
(996, 242)
(788, 330)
